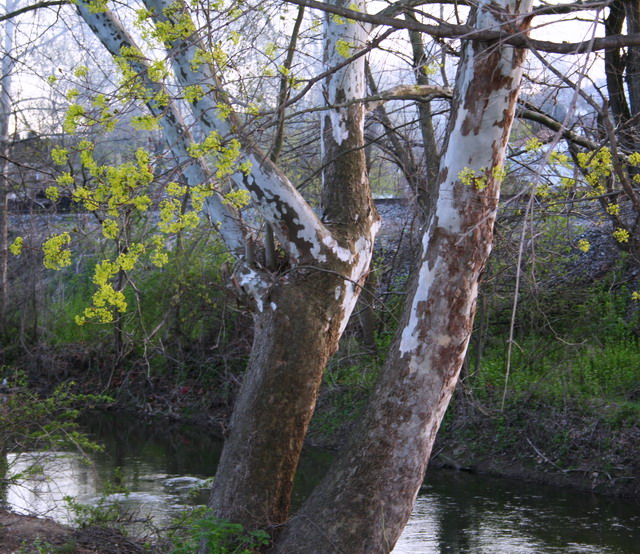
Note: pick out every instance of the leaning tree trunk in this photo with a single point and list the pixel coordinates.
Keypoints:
(299, 313)
(366, 499)
(304, 316)
(293, 340)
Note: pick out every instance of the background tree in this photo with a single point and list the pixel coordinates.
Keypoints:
(5, 116)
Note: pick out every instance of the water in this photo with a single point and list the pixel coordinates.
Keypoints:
(162, 466)
(461, 512)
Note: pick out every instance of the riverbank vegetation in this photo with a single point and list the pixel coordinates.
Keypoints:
(561, 406)
(563, 402)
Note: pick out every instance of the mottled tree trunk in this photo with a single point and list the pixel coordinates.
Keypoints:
(366, 499)
(301, 313)
(303, 318)
(293, 340)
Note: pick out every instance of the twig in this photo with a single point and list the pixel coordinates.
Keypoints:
(539, 453)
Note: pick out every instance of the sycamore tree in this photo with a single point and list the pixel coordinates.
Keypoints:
(300, 309)
(301, 305)
(301, 312)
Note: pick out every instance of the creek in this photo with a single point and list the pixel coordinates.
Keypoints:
(160, 465)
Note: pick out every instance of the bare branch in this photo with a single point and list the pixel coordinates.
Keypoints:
(420, 93)
(33, 7)
(545, 9)
(528, 111)
(310, 82)
(514, 38)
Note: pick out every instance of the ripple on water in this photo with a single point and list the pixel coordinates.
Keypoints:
(459, 513)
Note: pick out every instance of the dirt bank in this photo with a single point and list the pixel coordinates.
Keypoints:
(593, 447)
(27, 534)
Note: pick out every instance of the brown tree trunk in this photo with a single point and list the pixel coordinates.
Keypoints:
(632, 73)
(294, 338)
(367, 313)
(614, 66)
(425, 194)
(366, 499)
(302, 318)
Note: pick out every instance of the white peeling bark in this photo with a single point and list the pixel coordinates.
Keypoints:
(298, 229)
(295, 337)
(341, 40)
(114, 37)
(366, 498)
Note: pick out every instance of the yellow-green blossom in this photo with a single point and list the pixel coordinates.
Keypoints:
(634, 159)
(174, 189)
(55, 255)
(599, 167)
(60, 156)
(126, 261)
(16, 246)
(52, 193)
(343, 48)
(81, 71)
(193, 93)
(533, 145)
(613, 209)
(621, 235)
(159, 256)
(237, 198)
(65, 179)
(72, 118)
(145, 123)
(584, 245)
(110, 228)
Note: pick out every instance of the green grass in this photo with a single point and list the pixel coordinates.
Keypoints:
(541, 367)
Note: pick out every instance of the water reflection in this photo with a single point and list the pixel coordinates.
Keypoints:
(460, 512)
(457, 512)
(48, 478)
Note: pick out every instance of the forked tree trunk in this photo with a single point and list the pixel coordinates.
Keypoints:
(366, 499)
(303, 318)
(301, 313)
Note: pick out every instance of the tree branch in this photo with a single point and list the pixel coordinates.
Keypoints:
(545, 9)
(527, 111)
(446, 30)
(32, 7)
